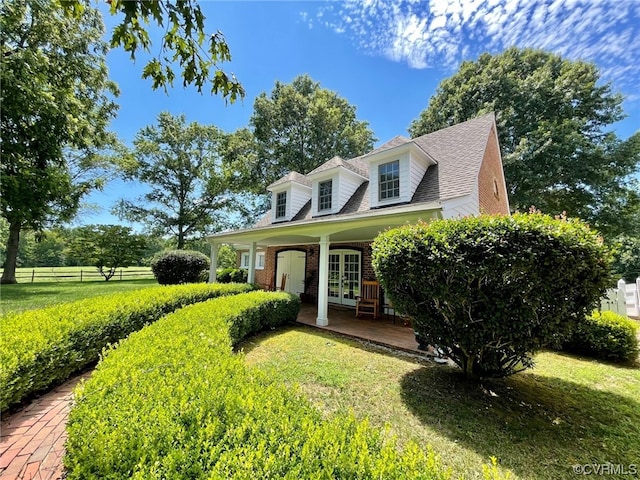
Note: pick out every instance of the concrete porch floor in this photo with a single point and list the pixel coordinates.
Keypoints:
(381, 330)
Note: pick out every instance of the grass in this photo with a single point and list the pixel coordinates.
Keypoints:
(565, 411)
(28, 296)
(66, 274)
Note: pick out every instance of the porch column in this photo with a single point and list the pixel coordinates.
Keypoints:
(251, 277)
(214, 263)
(323, 282)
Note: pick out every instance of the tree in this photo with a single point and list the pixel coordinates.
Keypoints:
(184, 42)
(626, 258)
(56, 96)
(190, 194)
(492, 290)
(552, 114)
(108, 247)
(297, 128)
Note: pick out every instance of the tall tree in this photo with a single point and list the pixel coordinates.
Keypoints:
(55, 95)
(552, 116)
(297, 128)
(189, 194)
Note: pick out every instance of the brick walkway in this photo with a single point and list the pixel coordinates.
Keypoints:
(32, 440)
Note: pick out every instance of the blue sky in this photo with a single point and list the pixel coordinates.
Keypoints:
(386, 58)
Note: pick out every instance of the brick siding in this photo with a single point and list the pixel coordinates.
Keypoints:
(491, 186)
(267, 276)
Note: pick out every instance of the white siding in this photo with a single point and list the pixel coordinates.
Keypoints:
(405, 185)
(300, 195)
(465, 206)
(418, 168)
(297, 196)
(344, 185)
(349, 183)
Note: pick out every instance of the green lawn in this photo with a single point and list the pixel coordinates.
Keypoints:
(86, 273)
(565, 411)
(28, 296)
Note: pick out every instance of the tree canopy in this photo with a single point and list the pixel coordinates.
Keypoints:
(297, 127)
(552, 116)
(56, 97)
(184, 42)
(189, 193)
(107, 247)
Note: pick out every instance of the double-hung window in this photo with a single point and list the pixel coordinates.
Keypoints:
(281, 205)
(389, 180)
(244, 260)
(325, 190)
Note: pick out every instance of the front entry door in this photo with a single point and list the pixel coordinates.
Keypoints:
(291, 263)
(344, 276)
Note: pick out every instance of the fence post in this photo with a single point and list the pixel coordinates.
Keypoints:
(621, 299)
(120, 274)
(33, 274)
(80, 274)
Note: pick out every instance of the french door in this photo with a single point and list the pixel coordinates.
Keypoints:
(344, 276)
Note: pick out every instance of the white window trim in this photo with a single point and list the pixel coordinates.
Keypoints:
(388, 199)
(278, 195)
(260, 260)
(330, 195)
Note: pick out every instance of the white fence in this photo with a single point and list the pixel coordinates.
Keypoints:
(624, 300)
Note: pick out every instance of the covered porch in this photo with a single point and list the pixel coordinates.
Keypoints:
(382, 331)
(331, 255)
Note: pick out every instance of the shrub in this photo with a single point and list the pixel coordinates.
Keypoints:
(235, 275)
(605, 335)
(492, 290)
(173, 401)
(42, 348)
(173, 267)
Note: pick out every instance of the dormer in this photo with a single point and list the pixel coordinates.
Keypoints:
(395, 173)
(288, 196)
(333, 183)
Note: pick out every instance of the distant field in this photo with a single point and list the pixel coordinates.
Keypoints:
(77, 274)
(28, 296)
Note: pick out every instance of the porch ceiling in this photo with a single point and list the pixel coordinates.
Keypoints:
(360, 228)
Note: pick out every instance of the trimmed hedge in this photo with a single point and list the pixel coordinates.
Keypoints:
(173, 401)
(42, 348)
(173, 267)
(605, 335)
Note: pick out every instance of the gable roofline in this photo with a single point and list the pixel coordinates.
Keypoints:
(337, 163)
(455, 155)
(411, 146)
(294, 177)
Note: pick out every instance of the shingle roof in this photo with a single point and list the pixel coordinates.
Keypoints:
(292, 177)
(356, 167)
(458, 151)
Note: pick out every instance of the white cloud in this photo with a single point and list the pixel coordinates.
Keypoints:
(446, 32)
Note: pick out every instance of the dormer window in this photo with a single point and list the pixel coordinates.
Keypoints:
(389, 180)
(325, 191)
(281, 205)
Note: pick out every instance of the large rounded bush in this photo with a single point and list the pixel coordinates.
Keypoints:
(173, 267)
(492, 290)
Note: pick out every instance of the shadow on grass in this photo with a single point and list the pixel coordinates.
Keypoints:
(537, 426)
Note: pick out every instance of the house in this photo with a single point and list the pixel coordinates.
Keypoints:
(318, 232)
